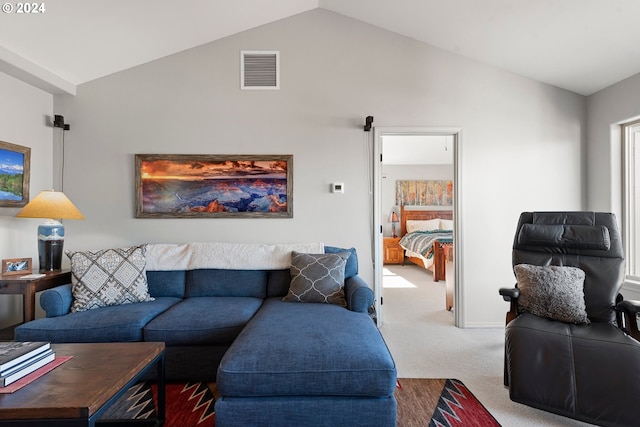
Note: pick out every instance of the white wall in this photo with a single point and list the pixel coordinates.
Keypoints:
(24, 115)
(606, 110)
(393, 173)
(521, 139)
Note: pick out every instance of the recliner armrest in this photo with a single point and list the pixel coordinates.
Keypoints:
(630, 309)
(629, 306)
(509, 293)
(57, 301)
(358, 294)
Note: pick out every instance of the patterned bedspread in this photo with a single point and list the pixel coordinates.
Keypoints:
(422, 241)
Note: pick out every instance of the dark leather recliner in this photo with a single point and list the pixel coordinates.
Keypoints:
(590, 372)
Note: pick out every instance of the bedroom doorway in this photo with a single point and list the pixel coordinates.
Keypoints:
(422, 157)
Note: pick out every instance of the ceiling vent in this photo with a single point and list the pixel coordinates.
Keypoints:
(259, 69)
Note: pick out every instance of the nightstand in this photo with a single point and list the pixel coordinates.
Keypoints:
(393, 252)
(28, 288)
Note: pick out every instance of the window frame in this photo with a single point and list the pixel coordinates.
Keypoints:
(631, 207)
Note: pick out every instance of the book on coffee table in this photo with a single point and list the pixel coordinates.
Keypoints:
(27, 367)
(13, 353)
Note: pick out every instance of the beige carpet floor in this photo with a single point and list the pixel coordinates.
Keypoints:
(425, 344)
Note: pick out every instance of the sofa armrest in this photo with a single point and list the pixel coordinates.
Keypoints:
(358, 294)
(57, 301)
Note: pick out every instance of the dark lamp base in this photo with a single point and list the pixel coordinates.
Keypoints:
(50, 254)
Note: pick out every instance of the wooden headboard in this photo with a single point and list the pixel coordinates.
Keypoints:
(420, 215)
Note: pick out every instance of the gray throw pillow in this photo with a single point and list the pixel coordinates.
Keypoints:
(554, 292)
(108, 277)
(317, 278)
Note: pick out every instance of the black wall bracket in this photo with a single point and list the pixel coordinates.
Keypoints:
(368, 121)
(58, 122)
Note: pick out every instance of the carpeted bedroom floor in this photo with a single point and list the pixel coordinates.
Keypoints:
(425, 344)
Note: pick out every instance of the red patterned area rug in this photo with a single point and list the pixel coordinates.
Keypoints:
(439, 403)
(187, 404)
(421, 403)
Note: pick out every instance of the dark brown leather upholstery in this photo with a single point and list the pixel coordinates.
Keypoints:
(587, 372)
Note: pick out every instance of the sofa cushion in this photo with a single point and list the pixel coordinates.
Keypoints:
(108, 277)
(105, 324)
(554, 292)
(307, 349)
(169, 283)
(317, 278)
(226, 283)
(203, 321)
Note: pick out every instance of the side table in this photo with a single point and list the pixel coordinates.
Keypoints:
(393, 252)
(27, 288)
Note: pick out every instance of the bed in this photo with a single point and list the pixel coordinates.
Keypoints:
(426, 237)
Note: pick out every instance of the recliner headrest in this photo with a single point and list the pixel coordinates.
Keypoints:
(567, 218)
(565, 236)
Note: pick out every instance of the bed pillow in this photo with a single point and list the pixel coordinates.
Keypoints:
(108, 277)
(554, 292)
(423, 225)
(446, 224)
(317, 278)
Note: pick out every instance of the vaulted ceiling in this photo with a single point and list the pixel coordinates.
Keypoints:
(580, 45)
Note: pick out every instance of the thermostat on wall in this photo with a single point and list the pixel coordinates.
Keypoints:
(337, 187)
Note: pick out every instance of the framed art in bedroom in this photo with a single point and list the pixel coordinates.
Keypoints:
(15, 161)
(214, 186)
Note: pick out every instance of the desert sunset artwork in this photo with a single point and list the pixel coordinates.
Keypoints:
(208, 185)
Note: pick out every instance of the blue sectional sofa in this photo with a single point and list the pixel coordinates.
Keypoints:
(275, 362)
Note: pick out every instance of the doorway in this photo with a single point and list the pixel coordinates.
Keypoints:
(416, 144)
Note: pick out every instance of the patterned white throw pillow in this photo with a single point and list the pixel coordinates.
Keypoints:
(108, 277)
(317, 278)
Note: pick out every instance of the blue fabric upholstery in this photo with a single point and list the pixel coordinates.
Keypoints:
(203, 321)
(57, 301)
(277, 355)
(321, 411)
(351, 269)
(226, 283)
(106, 324)
(358, 294)
(167, 283)
(277, 363)
(278, 283)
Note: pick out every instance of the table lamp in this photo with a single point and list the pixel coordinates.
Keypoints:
(393, 219)
(50, 204)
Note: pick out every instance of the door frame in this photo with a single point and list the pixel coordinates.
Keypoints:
(456, 133)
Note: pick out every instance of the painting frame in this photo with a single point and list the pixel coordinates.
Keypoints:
(14, 157)
(424, 192)
(214, 186)
(15, 266)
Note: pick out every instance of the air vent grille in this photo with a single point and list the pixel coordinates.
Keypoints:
(259, 69)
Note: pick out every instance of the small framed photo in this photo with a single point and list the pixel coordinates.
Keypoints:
(15, 266)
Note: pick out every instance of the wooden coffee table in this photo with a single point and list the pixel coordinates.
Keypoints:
(78, 392)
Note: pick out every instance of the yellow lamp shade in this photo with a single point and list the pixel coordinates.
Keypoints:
(50, 204)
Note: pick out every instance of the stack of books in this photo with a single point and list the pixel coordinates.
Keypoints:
(18, 359)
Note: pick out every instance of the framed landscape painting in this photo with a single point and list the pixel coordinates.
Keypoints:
(15, 162)
(212, 186)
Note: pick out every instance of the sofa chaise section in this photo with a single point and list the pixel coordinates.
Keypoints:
(319, 356)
